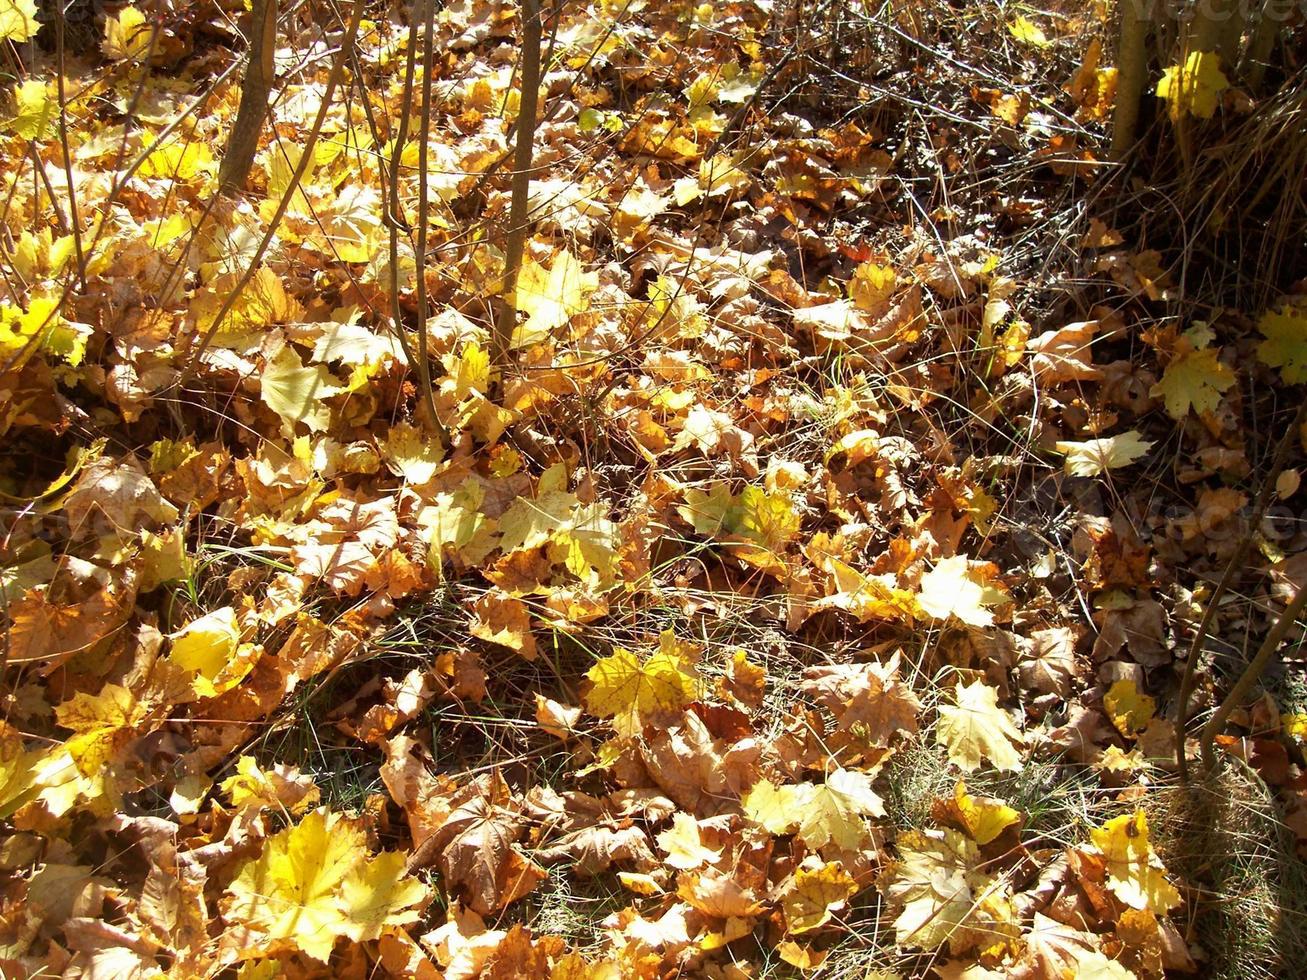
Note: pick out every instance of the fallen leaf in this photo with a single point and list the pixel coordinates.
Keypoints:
(1094, 456)
(631, 693)
(1129, 710)
(1135, 874)
(18, 20)
(501, 619)
(315, 883)
(1196, 380)
(550, 298)
(977, 730)
(951, 588)
(815, 896)
(1028, 32)
(684, 846)
(834, 810)
(296, 392)
(981, 818)
(1285, 345)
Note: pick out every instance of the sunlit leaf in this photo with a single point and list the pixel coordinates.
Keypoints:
(1195, 379)
(1094, 456)
(631, 692)
(34, 108)
(834, 810)
(952, 588)
(976, 730)
(1028, 32)
(945, 898)
(1194, 88)
(296, 392)
(683, 844)
(126, 35)
(210, 649)
(1128, 708)
(1135, 873)
(281, 786)
(980, 817)
(18, 20)
(550, 298)
(315, 883)
(816, 896)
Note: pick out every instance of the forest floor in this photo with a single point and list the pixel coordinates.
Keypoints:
(809, 588)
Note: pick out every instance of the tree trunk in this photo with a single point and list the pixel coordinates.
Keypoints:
(1132, 75)
(255, 89)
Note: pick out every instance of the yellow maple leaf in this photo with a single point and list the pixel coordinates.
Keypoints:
(1135, 874)
(952, 588)
(104, 723)
(981, 817)
(1285, 345)
(1194, 88)
(502, 619)
(296, 392)
(411, 453)
(41, 327)
(468, 371)
(834, 810)
(1195, 379)
(869, 597)
(126, 36)
(550, 298)
(18, 770)
(181, 157)
(1093, 456)
(34, 107)
(1028, 32)
(760, 524)
(645, 885)
(18, 20)
(815, 896)
(872, 284)
(314, 883)
(944, 897)
(683, 844)
(1129, 710)
(631, 693)
(580, 537)
(776, 809)
(1294, 725)
(210, 649)
(976, 729)
(1092, 87)
(281, 786)
(454, 522)
(1093, 965)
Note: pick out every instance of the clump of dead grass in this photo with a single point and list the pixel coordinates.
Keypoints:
(1248, 888)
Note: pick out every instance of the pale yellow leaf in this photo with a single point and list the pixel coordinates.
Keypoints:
(1093, 456)
(550, 298)
(296, 392)
(18, 20)
(976, 729)
(1134, 872)
(126, 36)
